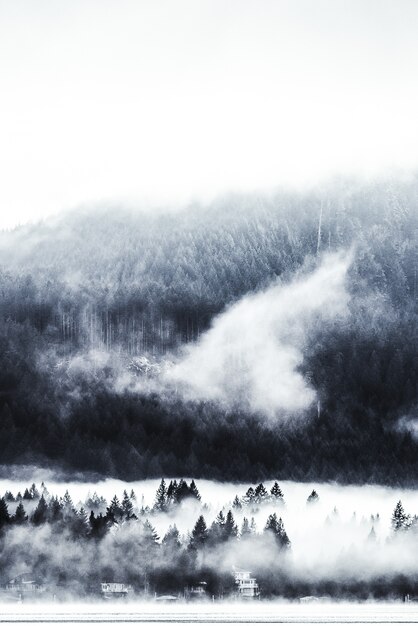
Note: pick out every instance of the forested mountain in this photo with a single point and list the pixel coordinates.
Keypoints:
(136, 285)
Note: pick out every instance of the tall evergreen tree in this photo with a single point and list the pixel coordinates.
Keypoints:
(34, 492)
(236, 504)
(193, 491)
(199, 534)
(249, 496)
(276, 493)
(160, 503)
(245, 528)
(400, 520)
(172, 538)
(127, 507)
(40, 514)
(20, 516)
(4, 513)
(260, 494)
(275, 526)
(230, 528)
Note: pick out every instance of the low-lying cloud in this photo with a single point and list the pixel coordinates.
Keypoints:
(251, 356)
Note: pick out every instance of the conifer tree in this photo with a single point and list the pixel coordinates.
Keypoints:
(400, 520)
(4, 513)
(27, 494)
(20, 516)
(171, 493)
(80, 525)
(172, 538)
(54, 510)
(199, 534)
(236, 504)
(260, 494)
(149, 532)
(161, 497)
(40, 514)
(249, 496)
(34, 492)
(313, 497)
(114, 510)
(276, 493)
(230, 528)
(275, 526)
(193, 491)
(127, 507)
(245, 528)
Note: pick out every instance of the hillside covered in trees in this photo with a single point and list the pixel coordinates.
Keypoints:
(93, 298)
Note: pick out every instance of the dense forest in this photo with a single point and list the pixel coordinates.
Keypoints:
(70, 548)
(91, 297)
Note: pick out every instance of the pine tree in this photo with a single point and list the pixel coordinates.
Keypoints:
(200, 534)
(4, 513)
(20, 516)
(171, 493)
(275, 526)
(230, 528)
(9, 497)
(27, 495)
(182, 492)
(40, 514)
(193, 491)
(249, 496)
(276, 493)
(80, 525)
(237, 504)
(260, 494)
(161, 497)
(313, 497)
(149, 532)
(34, 492)
(114, 511)
(54, 510)
(245, 528)
(253, 526)
(172, 538)
(44, 491)
(400, 520)
(127, 507)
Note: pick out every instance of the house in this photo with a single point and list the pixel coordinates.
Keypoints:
(25, 585)
(115, 590)
(197, 592)
(247, 586)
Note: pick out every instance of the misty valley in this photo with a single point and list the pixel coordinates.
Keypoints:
(263, 347)
(167, 542)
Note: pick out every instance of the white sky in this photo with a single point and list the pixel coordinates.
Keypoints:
(162, 101)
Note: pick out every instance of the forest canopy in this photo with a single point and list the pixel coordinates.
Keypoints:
(92, 297)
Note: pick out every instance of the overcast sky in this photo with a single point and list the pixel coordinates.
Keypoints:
(162, 101)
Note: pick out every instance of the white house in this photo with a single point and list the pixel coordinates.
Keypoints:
(115, 590)
(247, 586)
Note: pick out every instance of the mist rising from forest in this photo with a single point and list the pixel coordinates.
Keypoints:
(343, 543)
(252, 354)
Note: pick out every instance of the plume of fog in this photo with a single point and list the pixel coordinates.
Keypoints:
(252, 354)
